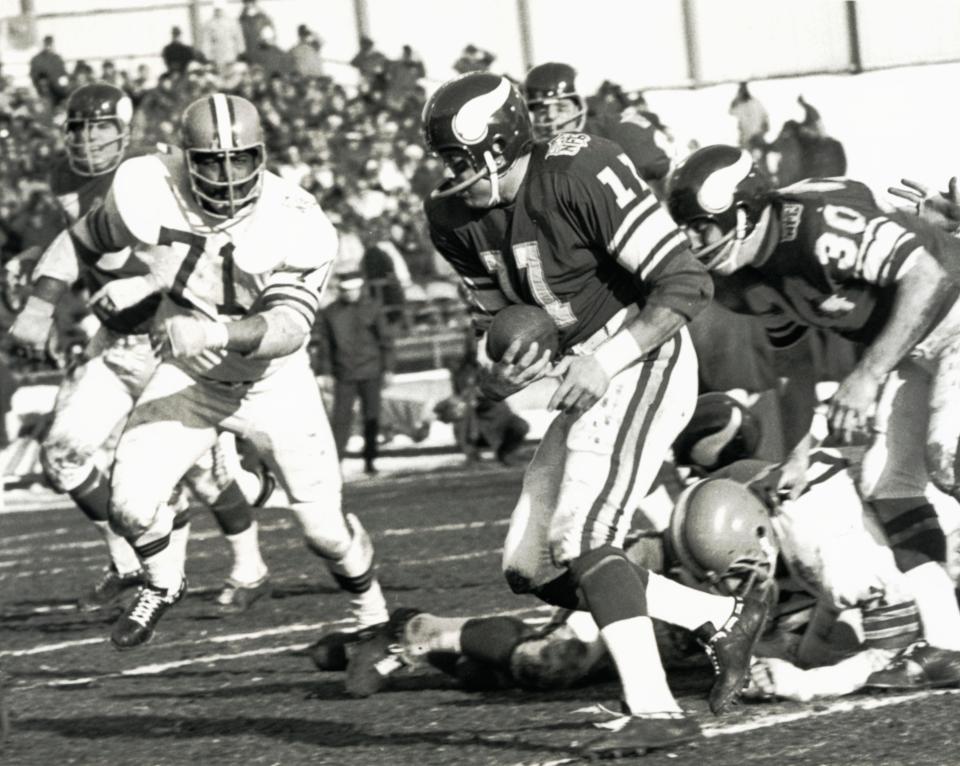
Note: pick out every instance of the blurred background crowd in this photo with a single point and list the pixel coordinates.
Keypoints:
(357, 148)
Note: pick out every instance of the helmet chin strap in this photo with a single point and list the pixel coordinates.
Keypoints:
(494, 178)
(742, 240)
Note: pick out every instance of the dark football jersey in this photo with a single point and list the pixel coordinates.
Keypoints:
(584, 238)
(78, 195)
(637, 136)
(837, 261)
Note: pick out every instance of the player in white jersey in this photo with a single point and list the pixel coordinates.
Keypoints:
(97, 394)
(728, 532)
(242, 259)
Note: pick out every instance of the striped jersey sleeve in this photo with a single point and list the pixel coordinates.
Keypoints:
(299, 290)
(628, 221)
(887, 251)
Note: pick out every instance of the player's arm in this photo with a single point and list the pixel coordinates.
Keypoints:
(620, 214)
(923, 293)
(485, 297)
(279, 323)
(673, 287)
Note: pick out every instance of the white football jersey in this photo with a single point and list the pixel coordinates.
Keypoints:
(830, 539)
(279, 251)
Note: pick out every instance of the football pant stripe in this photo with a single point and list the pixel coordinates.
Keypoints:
(628, 447)
(221, 119)
(642, 206)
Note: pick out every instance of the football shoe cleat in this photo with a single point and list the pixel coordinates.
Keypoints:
(137, 624)
(641, 733)
(919, 666)
(236, 598)
(109, 588)
(730, 649)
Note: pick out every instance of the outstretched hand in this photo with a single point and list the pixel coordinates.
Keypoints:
(942, 209)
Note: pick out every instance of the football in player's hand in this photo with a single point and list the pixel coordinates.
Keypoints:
(530, 324)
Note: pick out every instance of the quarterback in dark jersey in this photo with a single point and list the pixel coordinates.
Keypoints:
(822, 253)
(570, 227)
(556, 107)
(99, 393)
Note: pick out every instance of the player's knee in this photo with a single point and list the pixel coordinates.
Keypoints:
(333, 536)
(65, 465)
(129, 515)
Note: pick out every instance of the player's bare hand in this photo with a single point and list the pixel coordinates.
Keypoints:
(942, 209)
(583, 382)
(793, 473)
(121, 294)
(852, 407)
(514, 371)
(31, 329)
(183, 336)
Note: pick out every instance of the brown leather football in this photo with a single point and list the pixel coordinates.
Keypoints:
(528, 323)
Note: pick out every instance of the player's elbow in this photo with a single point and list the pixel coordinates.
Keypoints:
(282, 332)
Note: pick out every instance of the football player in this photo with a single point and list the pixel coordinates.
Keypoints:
(732, 533)
(556, 107)
(98, 393)
(823, 254)
(569, 226)
(240, 260)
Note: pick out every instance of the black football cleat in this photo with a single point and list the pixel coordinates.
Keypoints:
(919, 666)
(642, 733)
(110, 587)
(236, 598)
(139, 620)
(731, 648)
(376, 654)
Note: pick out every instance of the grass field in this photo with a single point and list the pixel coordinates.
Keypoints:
(238, 690)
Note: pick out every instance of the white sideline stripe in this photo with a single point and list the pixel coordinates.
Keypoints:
(839, 706)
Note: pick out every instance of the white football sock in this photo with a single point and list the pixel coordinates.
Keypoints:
(932, 589)
(121, 553)
(163, 569)
(369, 608)
(684, 606)
(248, 565)
(633, 646)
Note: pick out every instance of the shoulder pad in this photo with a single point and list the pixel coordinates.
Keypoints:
(290, 231)
(143, 194)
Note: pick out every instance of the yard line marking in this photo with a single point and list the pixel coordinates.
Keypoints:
(204, 536)
(209, 534)
(35, 535)
(442, 528)
(825, 708)
(533, 614)
(454, 557)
